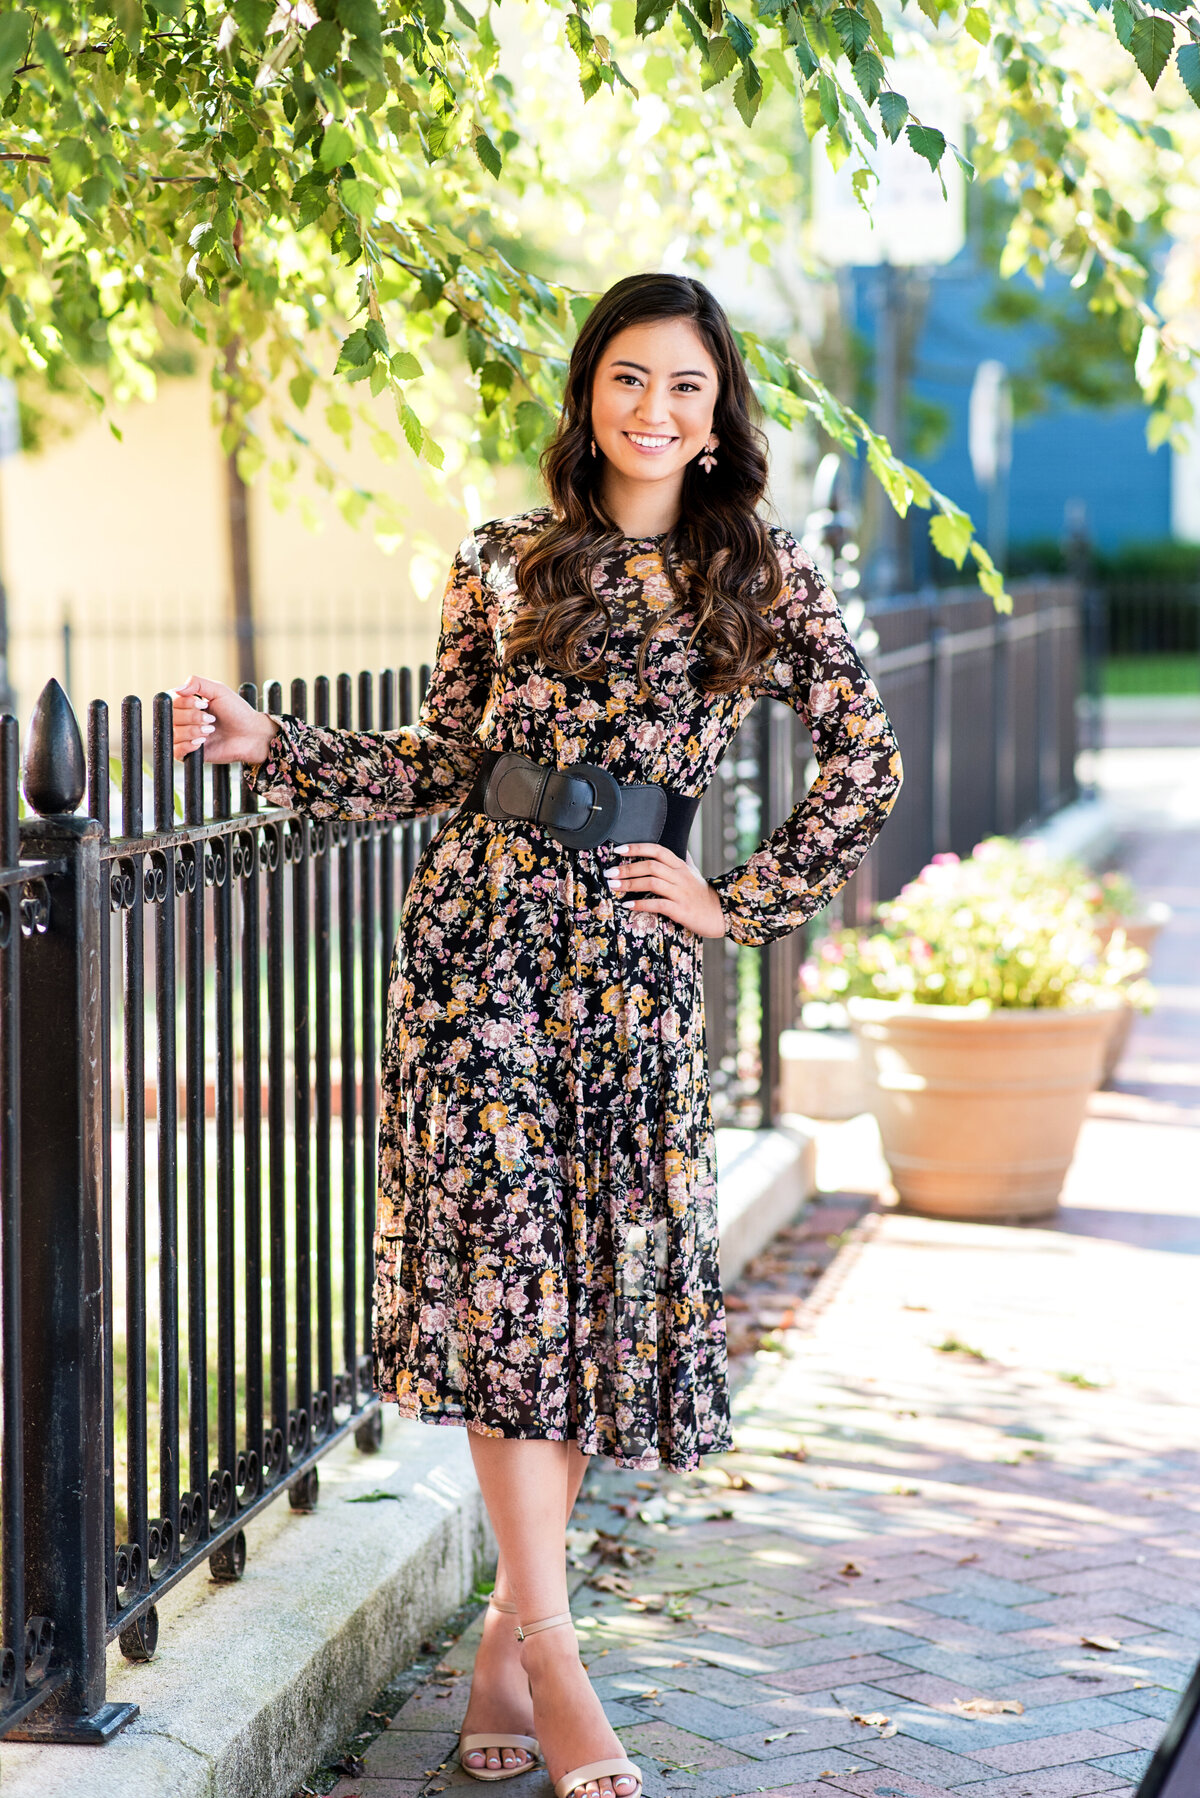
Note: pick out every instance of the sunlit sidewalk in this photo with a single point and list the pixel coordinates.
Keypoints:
(958, 1549)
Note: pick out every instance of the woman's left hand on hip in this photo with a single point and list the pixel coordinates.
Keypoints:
(670, 885)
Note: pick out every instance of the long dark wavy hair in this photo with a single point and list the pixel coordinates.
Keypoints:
(718, 557)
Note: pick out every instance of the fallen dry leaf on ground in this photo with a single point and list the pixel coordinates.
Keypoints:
(1109, 1644)
(850, 1571)
(612, 1582)
(989, 1707)
(782, 1734)
(876, 1720)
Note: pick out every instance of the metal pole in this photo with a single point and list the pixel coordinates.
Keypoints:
(62, 1288)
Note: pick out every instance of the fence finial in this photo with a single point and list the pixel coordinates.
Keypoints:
(55, 770)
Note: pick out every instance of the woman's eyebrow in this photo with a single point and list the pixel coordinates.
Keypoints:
(621, 362)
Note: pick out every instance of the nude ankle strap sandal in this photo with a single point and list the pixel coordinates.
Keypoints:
(617, 1768)
(479, 1744)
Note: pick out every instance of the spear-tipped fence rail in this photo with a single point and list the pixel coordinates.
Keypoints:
(189, 1025)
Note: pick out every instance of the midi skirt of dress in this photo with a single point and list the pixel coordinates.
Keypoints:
(547, 1252)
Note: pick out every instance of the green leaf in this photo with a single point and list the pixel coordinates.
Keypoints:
(893, 110)
(405, 366)
(56, 63)
(495, 379)
(722, 59)
(800, 43)
(375, 1498)
(651, 15)
(360, 197)
(928, 142)
(488, 154)
(741, 39)
(977, 25)
(747, 93)
(827, 95)
(968, 168)
(337, 146)
(322, 45)
(128, 14)
(868, 72)
(853, 28)
(414, 430)
(951, 535)
(532, 422)
(356, 352)
(1152, 43)
(14, 40)
(1187, 59)
(70, 164)
(1123, 22)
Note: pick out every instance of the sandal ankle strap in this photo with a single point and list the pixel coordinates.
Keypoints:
(531, 1629)
(502, 1604)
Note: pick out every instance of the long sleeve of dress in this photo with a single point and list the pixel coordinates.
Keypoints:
(797, 870)
(407, 773)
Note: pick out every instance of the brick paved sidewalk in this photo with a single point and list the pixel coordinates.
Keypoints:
(958, 1547)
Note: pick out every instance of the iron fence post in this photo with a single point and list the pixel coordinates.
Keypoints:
(62, 1286)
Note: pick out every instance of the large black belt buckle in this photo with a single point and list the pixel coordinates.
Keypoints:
(604, 807)
(577, 806)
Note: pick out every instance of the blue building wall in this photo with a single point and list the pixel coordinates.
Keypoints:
(1063, 454)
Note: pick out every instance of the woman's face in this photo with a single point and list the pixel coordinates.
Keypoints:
(653, 396)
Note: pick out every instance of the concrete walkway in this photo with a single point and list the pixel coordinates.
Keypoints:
(958, 1547)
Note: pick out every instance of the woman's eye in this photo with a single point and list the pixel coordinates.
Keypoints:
(687, 387)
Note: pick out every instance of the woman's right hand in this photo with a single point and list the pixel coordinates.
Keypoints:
(209, 714)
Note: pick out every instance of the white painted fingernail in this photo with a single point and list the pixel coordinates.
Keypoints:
(622, 848)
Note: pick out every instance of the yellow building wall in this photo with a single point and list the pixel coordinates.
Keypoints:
(127, 544)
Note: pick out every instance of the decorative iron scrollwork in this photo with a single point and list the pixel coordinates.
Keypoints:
(246, 1478)
(272, 1456)
(35, 908)
(123, 884)
(304, 1491)
(129, 1567)
(322, 1413)
(139, 1639)
(160, 1545)
(242, 854)
(269, 849)
(155, 880)
(8, 1671)
(191, 1518)
(220, 1495)
(228, 1563)
(185, 869)
(369, 1434)
(39, 1642)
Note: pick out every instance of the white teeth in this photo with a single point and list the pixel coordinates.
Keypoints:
(648, 442)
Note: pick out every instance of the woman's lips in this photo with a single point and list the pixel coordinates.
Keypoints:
(651, 444)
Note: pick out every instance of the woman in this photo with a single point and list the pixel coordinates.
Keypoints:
(547, 1244)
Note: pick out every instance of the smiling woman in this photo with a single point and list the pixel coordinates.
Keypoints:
(547, 1252)
(659, 431)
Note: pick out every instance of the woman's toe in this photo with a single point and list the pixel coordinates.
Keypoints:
(475, 1758)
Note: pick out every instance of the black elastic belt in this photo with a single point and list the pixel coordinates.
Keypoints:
(582, 805)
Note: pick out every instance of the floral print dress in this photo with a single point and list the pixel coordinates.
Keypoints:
(546, 1249)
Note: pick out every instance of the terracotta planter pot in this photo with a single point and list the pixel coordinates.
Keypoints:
(979, 1111)
(1140, 933)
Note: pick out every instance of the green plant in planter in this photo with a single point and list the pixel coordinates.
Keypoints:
(1005, 928)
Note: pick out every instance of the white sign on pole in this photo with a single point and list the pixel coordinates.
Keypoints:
(989, 423)
(910, 224)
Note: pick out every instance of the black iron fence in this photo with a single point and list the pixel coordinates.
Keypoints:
(187, 1310)
(189, 1028)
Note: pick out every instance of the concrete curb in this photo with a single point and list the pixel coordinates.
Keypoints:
(256, 1683)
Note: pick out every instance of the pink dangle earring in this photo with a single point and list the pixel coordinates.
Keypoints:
(593, 446)
(708, 460)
